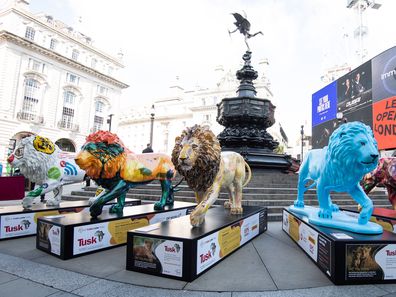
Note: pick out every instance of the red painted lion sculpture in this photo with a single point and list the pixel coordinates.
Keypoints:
(384, 174)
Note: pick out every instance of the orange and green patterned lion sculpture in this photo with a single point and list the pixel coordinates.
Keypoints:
(111, 165)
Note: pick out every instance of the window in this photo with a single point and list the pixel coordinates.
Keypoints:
(98, 123)
(75, 54)
(29, 33)
(72, 78)
(110, 70)
(94, 62)
(67, 118)
(53, 44)
(69, 98)
(30, 99)
(203, 101)
(36, 66)
(102, 90)
(206, 117)
(99, 106)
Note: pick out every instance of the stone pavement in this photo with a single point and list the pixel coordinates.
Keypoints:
(270, 265)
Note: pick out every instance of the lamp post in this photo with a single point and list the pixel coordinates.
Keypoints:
(302, 143)
(109, 121)
(152, 114)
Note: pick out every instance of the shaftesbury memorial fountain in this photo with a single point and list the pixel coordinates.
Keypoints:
(246, 118)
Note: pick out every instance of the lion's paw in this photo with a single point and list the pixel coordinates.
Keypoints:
(158, 206)
(227, 204)
(196, 220)
(52, 202)
(27, 202)
(116, 208)
(236, 210)
(299, 203)
(334, 207)
(325, 213)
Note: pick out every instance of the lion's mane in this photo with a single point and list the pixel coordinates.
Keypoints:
(112, 159)
(340, 159)
(34, 165)
(202, 174)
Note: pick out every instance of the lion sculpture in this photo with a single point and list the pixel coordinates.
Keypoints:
(384, 174)
(352, 152)
(198, 158)
(42, 162)
(111, 165)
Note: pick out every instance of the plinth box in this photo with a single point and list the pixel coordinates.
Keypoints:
(382, 216)
(345, 257)
(71, 235)
(18, 222)
(176, 250)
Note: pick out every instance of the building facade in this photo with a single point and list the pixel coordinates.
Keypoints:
(184, 108)
(53, 82)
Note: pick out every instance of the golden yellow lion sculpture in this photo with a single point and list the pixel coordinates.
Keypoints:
(198, 158)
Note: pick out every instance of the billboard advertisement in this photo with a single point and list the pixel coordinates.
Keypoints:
(354, 89)
(384, 123)
(324, 104)
(366, 94)
(384, 75)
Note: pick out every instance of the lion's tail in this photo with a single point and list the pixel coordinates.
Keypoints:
(249, 174)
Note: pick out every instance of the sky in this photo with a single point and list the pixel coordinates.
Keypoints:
(162, 39)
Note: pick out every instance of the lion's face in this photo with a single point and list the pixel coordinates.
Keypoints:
(100, 160)
(188, 151)
(354, 148)
(33, 155)
(367, 151)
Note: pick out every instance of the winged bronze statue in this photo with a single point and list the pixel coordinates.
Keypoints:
(243, 26)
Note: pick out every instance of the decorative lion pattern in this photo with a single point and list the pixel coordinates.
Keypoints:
(384, 174)
(111, 165)
(352, 152)
(198, 158)
(42, 162)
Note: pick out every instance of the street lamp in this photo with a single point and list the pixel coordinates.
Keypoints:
(152, 113)
(302, 143)
(109, 121)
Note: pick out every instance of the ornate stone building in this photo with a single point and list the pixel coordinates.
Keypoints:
(184, 108)
(53, 81)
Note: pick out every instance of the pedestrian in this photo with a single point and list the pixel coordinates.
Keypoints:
(148, 149)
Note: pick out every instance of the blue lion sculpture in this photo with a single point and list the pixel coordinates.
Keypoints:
(352, 152)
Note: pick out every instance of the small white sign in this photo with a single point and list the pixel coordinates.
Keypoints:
(341, 236)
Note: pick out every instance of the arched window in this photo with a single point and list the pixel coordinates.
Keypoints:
(29, 33)
(30, 99)
(99, 115)
(99, 107)
(69, 98)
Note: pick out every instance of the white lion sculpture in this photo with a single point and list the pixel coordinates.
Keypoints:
(43, 163)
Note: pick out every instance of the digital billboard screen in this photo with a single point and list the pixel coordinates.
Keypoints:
(384, 75)
(384, 122)
(324, 104)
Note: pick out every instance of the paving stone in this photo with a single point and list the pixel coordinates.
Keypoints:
(241, 271)
(106, 288)
(23, 287)
(148, 280)
(64, 294)
(44, 274)
(290, 268)
(22, 247)
(6, 277)
(98, 264)
(327, 291)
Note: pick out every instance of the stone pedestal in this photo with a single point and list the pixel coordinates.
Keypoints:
(246, 119)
